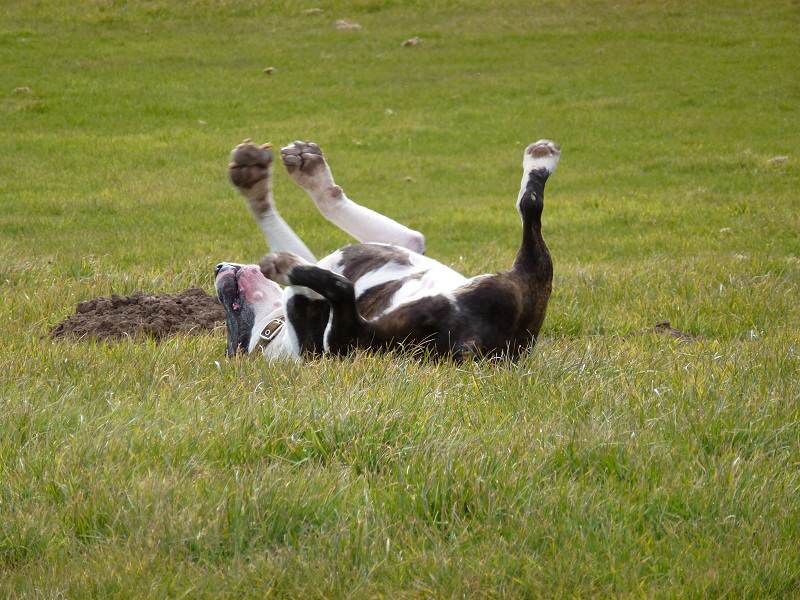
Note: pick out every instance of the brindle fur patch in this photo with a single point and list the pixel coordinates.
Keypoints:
(360, 259)
(376, 300)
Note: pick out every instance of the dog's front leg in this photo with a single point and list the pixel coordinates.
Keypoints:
(307, 166)
(250, 170)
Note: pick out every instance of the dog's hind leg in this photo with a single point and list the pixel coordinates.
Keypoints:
(250, 170)
(539, 162)
(533, 267)
(306, 165)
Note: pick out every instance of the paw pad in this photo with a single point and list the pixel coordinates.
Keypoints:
(303, 156)
(542, 149)
(543, 154)
(276, 266)
(249, 164)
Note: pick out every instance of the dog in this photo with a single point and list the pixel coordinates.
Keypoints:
(383, 292)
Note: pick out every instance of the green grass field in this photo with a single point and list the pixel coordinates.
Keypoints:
(602, 464)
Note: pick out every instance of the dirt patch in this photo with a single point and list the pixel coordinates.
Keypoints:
(156, 315)
(190, 311)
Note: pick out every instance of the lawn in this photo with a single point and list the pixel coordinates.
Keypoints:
(606, 462)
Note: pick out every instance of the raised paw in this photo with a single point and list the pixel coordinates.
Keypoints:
(276, 266)
(543, 154)
(306, 164)
(250, 164)
(250, 170)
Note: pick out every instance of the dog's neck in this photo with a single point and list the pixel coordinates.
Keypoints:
(261, 322)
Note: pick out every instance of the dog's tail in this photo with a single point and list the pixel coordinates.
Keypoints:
(347, 328)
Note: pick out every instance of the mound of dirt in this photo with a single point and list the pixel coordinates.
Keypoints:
(156, 315)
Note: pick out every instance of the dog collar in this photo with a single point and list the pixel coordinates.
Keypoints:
(271, 331)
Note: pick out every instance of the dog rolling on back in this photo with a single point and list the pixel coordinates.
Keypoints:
(377, 296)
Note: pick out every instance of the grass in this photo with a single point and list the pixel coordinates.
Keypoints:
(601, 464)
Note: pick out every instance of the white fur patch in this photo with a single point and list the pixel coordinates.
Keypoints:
(549, 163)
(332, 262)
(326, 346)
(530, 163)
(391, 271)
(435, 282)
(281, 237)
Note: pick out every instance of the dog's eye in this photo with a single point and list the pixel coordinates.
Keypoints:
(218, 268)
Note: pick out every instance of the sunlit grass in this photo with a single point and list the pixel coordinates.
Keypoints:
(606, 462)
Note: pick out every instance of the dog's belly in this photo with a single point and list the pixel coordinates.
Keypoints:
(386, 277)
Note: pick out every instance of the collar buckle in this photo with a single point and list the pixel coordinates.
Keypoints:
(271, 330)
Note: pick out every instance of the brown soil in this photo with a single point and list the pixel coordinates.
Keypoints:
(156, 315)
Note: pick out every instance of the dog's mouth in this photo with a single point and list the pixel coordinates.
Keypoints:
(239, 314)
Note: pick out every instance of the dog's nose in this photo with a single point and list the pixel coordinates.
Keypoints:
(224, 265)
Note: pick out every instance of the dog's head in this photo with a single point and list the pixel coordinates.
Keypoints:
(249, 298)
